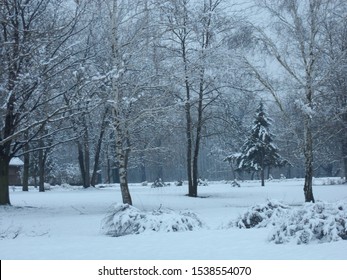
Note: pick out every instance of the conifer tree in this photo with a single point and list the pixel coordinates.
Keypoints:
(259, 152)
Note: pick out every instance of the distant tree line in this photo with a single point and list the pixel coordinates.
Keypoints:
(148, 89)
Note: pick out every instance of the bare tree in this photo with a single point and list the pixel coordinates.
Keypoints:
(295, 41)
(335, 28)
(35, 53)
(194, 32)
(131, 88)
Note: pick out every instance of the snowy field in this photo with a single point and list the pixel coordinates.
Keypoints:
(65, 223)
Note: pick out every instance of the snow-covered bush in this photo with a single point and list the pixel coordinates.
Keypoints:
(158, 183)
(179, 183)
(125, 219)
(202, 182)
(320, 221)
(332, 181)
(313, 221)
(261, 215)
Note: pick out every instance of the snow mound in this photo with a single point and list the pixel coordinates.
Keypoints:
(125, 219)
(261, 215)
(321, 222)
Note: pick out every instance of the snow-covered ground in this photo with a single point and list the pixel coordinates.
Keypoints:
(65, 223)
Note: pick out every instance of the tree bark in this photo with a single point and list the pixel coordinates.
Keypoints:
(5, 149)
(26, 167)
(81, 161)
(262, 177)
(84, 158)
(198, 132)
(308, 151)
(344, 146)
(41, 171)
(191, 190)
(262, 170)
(122, 157)
(4, 180)
(86, 181)
(122, 141)
(344, 158)
(143, 167)
(98, 150)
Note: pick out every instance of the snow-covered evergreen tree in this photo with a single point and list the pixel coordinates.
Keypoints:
(259, 151)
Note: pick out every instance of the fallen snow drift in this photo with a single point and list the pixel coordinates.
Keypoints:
(125, 219)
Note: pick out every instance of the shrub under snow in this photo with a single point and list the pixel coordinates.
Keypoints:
(320, 221)
(125, 219)
(261, 215)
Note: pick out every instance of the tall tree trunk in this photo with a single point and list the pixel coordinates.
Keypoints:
(308, 152)
(189, 125)
(143, 167)
(159, 162)
(98, 150)
(262, 170)
(123, 178)
(41, 168)
(81, 162)
(122, 157)
(308, 138)
(344, 146)
(26, 167)
(41, 172)
(262, 177)
(195, 170)
(13, 67)
(119, 127)
(84, 157)
(191, 189)
(108, 170)
(5, 149)
(143, 172)
(344, 158)
(205, 35)
(4, 180)
(86, 160)
(198, 133)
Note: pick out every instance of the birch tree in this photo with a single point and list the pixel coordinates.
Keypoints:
(335, 28)
(131, 88)
(293, 38)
